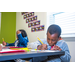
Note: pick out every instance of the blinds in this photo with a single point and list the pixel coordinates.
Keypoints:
(66, 21)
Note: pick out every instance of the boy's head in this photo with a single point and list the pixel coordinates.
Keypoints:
(23, 32)
(53, 34)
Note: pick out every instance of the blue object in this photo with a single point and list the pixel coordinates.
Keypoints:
(22, 41)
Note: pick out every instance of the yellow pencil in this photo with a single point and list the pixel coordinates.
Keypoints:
(40, 40)
(3, 39)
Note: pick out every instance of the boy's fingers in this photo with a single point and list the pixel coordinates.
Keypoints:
(44, 47)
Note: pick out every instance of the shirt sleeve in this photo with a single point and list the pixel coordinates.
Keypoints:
(22, 39)
(66, 57)
(34, 45)
(11, 44)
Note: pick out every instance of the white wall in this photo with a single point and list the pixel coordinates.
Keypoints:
(71, 46)
(42, 16)
(21, 24)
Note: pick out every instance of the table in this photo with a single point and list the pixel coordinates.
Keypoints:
(12, 56)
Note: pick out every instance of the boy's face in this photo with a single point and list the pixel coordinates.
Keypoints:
(52, 39)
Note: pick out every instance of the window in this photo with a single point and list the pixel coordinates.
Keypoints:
(66, 20)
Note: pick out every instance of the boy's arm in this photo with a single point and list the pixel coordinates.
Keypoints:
(7, 44)
(22, 39)
(66, 57)
(11, 44)
(35, 45)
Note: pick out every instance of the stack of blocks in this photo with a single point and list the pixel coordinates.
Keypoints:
(32, 21)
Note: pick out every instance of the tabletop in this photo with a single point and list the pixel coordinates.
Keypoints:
(32, 53)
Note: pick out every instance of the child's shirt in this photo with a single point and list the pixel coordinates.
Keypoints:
(21, 42)
(62, 44)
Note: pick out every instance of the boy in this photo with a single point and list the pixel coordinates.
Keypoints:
(53, 42)
(21, 41)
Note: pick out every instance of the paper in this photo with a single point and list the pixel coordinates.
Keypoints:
(11, 51)
(45, 50)
(49, 50)
(3, 50)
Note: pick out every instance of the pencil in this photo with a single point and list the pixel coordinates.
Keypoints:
(3, 39)
(40, 40)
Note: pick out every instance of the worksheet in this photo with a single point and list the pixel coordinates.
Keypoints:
(45, 50)
(11, 51)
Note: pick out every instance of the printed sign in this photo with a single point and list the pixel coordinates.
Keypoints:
(31, 19)
(37, 28)
(24, 13)
(28, 15)
(35, 23)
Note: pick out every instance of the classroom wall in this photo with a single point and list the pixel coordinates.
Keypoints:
(71, 45)
(21, 24)
(8, 26)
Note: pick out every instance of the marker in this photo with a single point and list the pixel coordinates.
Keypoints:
(40, 40)
(37, 50)
(3, 39)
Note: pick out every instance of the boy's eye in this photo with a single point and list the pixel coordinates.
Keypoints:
(53, 40)
(48, 39)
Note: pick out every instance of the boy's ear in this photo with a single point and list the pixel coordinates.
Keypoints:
(59, 38)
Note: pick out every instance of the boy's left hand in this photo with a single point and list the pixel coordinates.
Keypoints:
(56, 48)
(18, 32)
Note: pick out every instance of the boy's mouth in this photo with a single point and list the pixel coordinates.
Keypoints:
(51, 44)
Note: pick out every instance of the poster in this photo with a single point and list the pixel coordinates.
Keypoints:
(28, 15)
(34, 23)
(24, 13)
(37, 28)
(31, 19)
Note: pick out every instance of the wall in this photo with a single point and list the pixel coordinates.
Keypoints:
(8, 26)
(21, 24)
(71, 45)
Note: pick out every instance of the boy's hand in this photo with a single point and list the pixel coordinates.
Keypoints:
(42, 47)
(4, 43)
(18, 32)
(56, 48)
(0, 47)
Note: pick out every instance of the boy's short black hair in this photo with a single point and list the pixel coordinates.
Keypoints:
(23, 32)
(52, 29)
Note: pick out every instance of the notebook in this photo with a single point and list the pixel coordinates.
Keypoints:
(11, 51)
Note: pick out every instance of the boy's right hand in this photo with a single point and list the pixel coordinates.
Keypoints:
(4, 43)
(42, 47)
(0, 48)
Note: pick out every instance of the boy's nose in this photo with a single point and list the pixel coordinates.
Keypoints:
(50, 41)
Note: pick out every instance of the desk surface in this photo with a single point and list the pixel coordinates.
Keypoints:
(12, 56)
